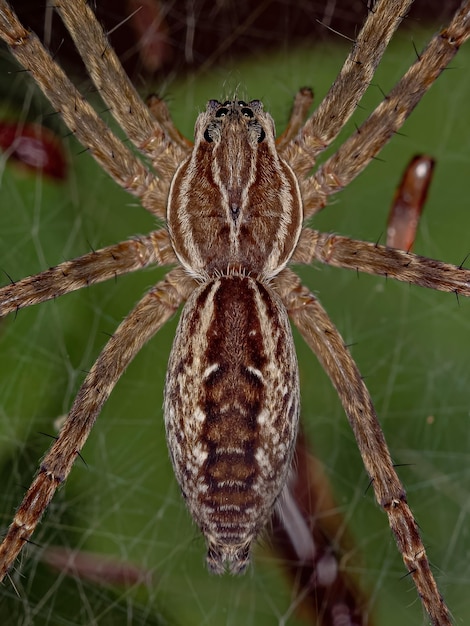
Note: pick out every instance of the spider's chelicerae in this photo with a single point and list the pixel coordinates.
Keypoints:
(235, 203)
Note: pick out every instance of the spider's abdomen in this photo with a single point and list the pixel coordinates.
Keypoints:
(231, 412)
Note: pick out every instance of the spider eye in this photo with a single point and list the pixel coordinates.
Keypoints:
(247, 112)
(222, 112)
(242, 103)
(256, 130)
(207, 136)
(257, 105)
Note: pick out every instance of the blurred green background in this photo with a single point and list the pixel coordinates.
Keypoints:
(411, 345)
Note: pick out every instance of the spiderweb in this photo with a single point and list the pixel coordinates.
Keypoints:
(121, 507)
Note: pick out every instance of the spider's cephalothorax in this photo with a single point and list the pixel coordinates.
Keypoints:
(234, 203)
(232, 389)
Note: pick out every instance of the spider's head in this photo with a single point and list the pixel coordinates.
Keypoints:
(234, 122)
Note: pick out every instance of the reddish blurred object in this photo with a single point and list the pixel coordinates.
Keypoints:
(96, 568)
(35, 147)
(309, 534)
(151, 34)
(408, 203)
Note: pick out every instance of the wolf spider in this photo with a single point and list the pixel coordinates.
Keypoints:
(235, 205)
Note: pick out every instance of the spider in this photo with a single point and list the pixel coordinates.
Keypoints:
(232, 398)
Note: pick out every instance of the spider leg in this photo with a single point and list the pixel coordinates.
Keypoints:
(155, 308)
(95, 267)
(147, 130)
(352, 82)
(117, 160)
(302, 102)
(327, 344)
(159, 110)
(355, 154)
(372, 258)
